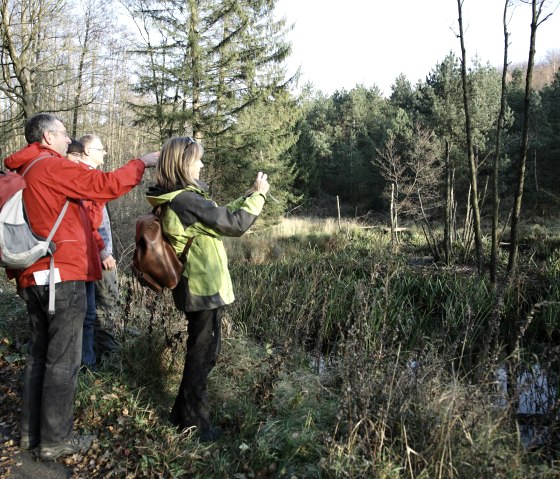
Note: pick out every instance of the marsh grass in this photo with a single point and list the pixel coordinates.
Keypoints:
(316, 294)
(340, 358)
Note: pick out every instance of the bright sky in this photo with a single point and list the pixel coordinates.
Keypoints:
(339, 44)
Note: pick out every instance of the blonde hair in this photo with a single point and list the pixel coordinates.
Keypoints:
(177, 154)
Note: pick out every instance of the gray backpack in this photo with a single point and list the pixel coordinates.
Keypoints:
(19, 246)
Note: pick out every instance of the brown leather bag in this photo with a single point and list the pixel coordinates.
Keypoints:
(154, 262)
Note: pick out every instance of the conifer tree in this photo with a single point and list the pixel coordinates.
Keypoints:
(205, 63)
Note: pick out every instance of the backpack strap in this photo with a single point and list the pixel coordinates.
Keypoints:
(58, 221)
(64, 208)
(52, 288)
(51, 264)
(183, 256)
(35, 161)
(158, 210)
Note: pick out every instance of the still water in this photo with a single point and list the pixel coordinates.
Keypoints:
(535, 393)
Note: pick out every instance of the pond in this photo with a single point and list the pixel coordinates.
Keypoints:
(536, 393)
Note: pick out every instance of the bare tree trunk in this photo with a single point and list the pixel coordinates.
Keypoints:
(23, 91)
(428, 232)
(467, 229)
(535, 171)
(496, 179)
(455, 233)
(393, 215)
(472, 164)
(448, 206)
(196, 68)
(491, 339)
(536, 6)
(338, 211)
(80, 77)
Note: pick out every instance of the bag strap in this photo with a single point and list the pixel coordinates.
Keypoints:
(35, 161)
(64, 208)
(51, 265)
(58, 221)
(183, 256)
(52, 287)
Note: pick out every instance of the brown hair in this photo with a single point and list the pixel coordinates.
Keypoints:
(75, 147)
(172, 169)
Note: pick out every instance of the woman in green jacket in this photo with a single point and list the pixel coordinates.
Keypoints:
(191, 217)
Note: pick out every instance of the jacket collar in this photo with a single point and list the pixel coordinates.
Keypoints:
(18, 159)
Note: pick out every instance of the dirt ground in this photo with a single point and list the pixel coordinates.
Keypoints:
(19, 464)
(16, 463)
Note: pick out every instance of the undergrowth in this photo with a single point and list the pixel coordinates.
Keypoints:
(339, 359)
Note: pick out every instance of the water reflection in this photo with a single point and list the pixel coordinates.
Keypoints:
(535, 398)
(535, 394)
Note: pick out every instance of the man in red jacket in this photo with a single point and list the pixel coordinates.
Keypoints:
(55, 343)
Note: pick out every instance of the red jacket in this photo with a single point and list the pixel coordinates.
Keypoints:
(92, 217)
(95, 213)
(52, 181)
(94, 243)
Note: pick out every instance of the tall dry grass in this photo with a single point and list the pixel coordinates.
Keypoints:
(341, 358)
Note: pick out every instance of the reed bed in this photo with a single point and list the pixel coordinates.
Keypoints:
(341, 358)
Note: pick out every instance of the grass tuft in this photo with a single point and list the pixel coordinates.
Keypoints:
(340, 358)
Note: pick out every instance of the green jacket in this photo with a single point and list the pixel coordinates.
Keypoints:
(191, 213)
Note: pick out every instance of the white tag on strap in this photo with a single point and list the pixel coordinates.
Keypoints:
(42, 277)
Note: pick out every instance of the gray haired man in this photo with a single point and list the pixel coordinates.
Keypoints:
(106, 289)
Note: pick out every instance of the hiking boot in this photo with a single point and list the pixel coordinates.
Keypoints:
(76, 443)
(213, 433)
(28, 443)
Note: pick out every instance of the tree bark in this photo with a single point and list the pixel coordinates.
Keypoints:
(497, 155)
(80, 80)
(196, 70)
(448, 206)
(470, 152)
(536, 9)
(22, 93)
(393, 213)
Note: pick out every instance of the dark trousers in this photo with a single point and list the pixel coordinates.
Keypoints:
(106, 302)
(51, 370)
(191, 406)
(88, 352)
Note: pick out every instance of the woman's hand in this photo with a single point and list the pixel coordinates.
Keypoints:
(261, 184)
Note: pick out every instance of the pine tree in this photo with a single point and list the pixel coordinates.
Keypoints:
(206, 62)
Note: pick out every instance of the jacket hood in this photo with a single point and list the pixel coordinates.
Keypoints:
(30, 152)
(157, 196)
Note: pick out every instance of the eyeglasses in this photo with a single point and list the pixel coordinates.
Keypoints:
(64, 132)
(98, 149)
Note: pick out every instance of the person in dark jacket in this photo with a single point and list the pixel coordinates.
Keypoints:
(190, 216)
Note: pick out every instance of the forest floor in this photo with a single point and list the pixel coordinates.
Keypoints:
(16, 463)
